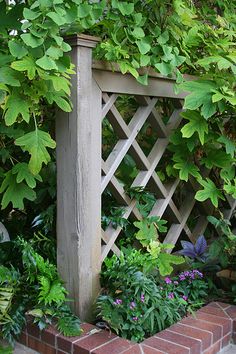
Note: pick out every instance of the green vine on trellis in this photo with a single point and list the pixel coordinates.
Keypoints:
(173, 37)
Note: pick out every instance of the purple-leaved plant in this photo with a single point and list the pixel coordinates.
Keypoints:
(197, 251)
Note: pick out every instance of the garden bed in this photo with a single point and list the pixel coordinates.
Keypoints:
(208, 331)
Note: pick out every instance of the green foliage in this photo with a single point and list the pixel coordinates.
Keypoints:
(32, 286)
(173, 38)
(136, 304)
(223, 248)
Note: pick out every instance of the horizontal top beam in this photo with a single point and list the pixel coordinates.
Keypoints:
(115, 82)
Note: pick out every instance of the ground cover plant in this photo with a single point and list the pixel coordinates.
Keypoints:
(30, 285)
(137, 302)
(173, 38)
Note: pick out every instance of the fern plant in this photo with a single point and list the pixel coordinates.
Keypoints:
(45, 299)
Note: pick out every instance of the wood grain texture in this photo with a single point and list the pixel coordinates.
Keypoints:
(78, 136)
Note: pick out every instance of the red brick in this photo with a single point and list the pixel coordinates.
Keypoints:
(33, 330)
(149, 350)
(224, 322)
(116, 346)
(65, 343)
(214, 349)
(203, 336)
(60, 352)
(176, 338)
(213, 311)
(166, 346)
(231, 311)
(92, 341)
(135, 349)
(215, 330)
(223, 305)
(226, 340)
(49, 336)
(40, 347)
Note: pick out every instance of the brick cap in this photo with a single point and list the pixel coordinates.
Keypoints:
(208, 332)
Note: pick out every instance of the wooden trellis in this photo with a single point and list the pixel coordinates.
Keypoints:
(82, 244)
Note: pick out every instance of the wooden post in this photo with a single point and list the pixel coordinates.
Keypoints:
(78, 136)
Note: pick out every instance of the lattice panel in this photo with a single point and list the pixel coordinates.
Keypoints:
(127, 143)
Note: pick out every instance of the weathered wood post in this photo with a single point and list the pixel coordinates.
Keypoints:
(78, 136)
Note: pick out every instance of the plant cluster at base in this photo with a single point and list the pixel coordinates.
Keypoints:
(30, 285)
(137, 302)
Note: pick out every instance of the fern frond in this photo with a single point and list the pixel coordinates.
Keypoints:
(6, 296)
(69, 325)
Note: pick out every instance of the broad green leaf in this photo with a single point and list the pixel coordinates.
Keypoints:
(83, 10)
(60, 83)
(23, 174)
(187, 168)
(231, 188)
(9, 77)
(46, 63)
(218, 158)
(30, 15)
(230, 145)
(16, 105)
(164, 68)
(58, 19)
(143, 46)
(62, 103)
(144, 60)
(201, 96)
(143, 79)
(147, 232)
(210, 191)
(217, 97)
(177, 60)
(125, 8)
(17, 49)
(14, 192)
(163, 38)
(232, 100)
(36, 143)
(197, 124)
(26, 64)
(138, 32)
(165, 262)
(31, 40)
(54, 52)
(65, 47)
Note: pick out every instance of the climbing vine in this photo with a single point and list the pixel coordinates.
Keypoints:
(172, 37)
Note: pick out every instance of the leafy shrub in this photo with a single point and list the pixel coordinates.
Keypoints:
(136, 302)
(32, 286)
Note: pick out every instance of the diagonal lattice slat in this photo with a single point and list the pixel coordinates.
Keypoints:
(147, 165)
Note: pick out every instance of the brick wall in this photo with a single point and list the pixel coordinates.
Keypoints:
(207, 332)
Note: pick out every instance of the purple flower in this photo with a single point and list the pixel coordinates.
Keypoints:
(182, 277)
(196, 272)
(142, 297)
(117, 302)
(135, 318)
(132, 305)
(176, 282)
(168, 280)
(185, 297)
(170, 295)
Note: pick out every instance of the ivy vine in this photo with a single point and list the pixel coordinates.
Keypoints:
(173, 37)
